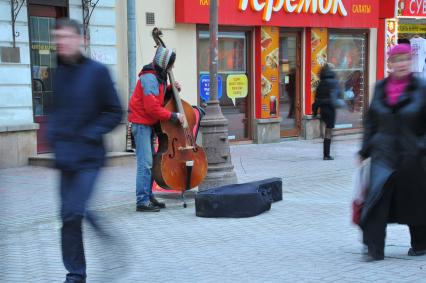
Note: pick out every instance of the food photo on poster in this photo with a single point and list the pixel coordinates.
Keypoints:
(269, 72)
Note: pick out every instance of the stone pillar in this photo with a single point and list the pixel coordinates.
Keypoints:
(267, 130)
(214, 125)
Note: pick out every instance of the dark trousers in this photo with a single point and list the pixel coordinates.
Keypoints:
(76, 190)
(374, 228)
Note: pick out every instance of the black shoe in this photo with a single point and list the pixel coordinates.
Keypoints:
(328, 158)
(150, 207)
(156, 203)
(412, 252)
(74, 281)
(369, 257)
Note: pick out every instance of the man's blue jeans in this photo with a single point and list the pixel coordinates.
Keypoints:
(144, 150)
(76, 190)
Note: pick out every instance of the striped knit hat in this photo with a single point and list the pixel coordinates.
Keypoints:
(163, 56)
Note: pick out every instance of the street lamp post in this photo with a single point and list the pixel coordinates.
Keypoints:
(214, 125)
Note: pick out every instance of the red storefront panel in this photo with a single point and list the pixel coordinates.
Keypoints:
(356, 13)
(387, 9)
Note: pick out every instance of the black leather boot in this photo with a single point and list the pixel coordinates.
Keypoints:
(327, 145)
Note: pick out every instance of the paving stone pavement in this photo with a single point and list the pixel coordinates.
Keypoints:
(307, 237)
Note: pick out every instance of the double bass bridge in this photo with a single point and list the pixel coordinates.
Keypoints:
(182, 148)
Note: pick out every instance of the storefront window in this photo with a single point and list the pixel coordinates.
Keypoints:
(43, 58)
(232, 52)
(348, 54)
(232, 67)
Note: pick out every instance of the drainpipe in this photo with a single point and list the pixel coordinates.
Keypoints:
(131, 43)
(131, 61)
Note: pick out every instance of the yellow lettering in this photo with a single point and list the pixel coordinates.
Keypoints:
(361, 9)
(207, 3)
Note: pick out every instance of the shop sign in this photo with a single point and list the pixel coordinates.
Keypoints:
(412, 28)
(236, 86)
(41, 46)
(205, 87)
(412, 8)
(291, 13)
(294, 6)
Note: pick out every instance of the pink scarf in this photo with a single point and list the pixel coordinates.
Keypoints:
(394, 89)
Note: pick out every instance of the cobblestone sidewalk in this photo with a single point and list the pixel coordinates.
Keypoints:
(307, 237)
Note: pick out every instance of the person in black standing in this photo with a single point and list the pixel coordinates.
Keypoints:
(327, 100)
(85, 107)
(395, 140)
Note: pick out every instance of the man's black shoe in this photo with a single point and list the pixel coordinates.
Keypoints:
(369, 257)
(74, 281)
(150, 207)
(156, 203)
(413, 252)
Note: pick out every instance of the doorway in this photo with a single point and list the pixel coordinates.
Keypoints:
(42, 21)
(290, 77)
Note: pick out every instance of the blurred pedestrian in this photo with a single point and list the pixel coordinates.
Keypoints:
(146, 108)
(395, 139)
(327, 100)
(85, 107)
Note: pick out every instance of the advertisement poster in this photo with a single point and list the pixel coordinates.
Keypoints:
(236, 86)
(270, 72)
(391, 39)
(205, 87)
(319, 38)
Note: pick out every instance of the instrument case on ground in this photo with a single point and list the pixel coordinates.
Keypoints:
(238, 200)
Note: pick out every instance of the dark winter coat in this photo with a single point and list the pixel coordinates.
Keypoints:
(85, 107)
(326, 97)
(395, 139)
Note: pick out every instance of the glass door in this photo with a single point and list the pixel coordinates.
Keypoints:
(43, 63)
(290, 63)
(348, 54)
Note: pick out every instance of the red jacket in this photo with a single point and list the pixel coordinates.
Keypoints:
(147, 100)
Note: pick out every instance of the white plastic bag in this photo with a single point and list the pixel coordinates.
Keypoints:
(362, 178)
(349, 94)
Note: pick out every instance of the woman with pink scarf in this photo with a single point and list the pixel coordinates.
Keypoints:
(395, 140)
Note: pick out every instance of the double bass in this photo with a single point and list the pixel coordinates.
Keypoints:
(180, 163)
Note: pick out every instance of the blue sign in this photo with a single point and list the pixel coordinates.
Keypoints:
(205, 87)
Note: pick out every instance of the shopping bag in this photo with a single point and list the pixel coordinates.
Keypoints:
(362, 178)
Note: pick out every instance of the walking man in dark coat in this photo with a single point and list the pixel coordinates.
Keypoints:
(85, 107)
